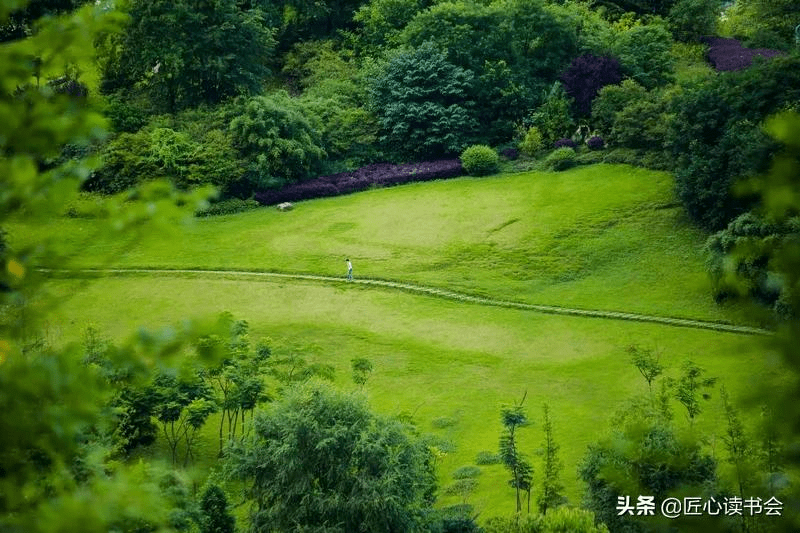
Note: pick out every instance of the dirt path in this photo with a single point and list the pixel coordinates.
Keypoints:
(430, 291)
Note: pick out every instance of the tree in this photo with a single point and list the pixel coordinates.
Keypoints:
(423, 104)
(513, 418)
(716, 139)
(53, 432)
(643, 456)
(319, 460)
(644, 53)
(584, 78)
(190, 52)
(183, 406)
(550, 496)
(689, 389)
(216, 517)
(690, 20)
(280, 143)
(646, 362)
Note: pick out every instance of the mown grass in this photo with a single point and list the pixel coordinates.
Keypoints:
(436, 359)
(602, 237)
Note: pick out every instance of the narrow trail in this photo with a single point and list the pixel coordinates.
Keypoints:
(429, 291)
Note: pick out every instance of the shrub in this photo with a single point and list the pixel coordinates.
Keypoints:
(595, 143)
(569, 143)
(227, 207)
(467, 472)
(729, 54)
(510, 153)
(560, 158)
(479, 160)
(487, 458)
(553, 117)
(532, 143)
(279, 141)
(590, 158)
(381, 174)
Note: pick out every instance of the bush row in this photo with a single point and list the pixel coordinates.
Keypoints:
(378, 174)
(729, 54)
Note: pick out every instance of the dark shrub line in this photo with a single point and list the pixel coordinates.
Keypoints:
(378, 174)
(729, 54)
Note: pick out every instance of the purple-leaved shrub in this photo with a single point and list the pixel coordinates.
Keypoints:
(595, 143)
(569, 143)
(381, 174)
(729, 54)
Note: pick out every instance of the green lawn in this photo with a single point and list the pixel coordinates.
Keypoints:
(450, 365)
(600, 237)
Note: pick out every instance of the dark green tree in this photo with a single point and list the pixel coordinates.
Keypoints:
(186, 53)
(319, 460)
(216, 517)
(424, 105)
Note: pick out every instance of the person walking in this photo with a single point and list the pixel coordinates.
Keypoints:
(349, 270)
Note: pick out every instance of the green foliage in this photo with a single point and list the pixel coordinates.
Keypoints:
(534, 43)
(164, 152)
(280, 143)
(550, 496)
(487, 458)
(515, 48)
(716, 140)
(532, 143)
(216, 517)
(227, 207)
(642, 124)
(183, 54)
(560, 159)
(480, 160)
(367, 471)
(612, 99)
(738, 262)
(553, 118)
(643, 457)
(691, 19)
(647, 363)
(381, 21)
(423, 104)
(763, 24)
(559, 520)
(643, 52)
(466, 472)
(690, 387)
(362, 368)
(513, 418)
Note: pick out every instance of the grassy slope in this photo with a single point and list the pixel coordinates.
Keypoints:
(607, 237)
(603, 237)
(446, 363)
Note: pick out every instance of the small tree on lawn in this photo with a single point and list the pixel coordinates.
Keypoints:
(550, 496)
(521, 471)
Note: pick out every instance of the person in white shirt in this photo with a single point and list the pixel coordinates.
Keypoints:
(349, 270)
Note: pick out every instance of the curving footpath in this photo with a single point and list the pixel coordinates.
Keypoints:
(431, 291)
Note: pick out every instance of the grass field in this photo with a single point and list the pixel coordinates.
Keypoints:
(600, 237)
